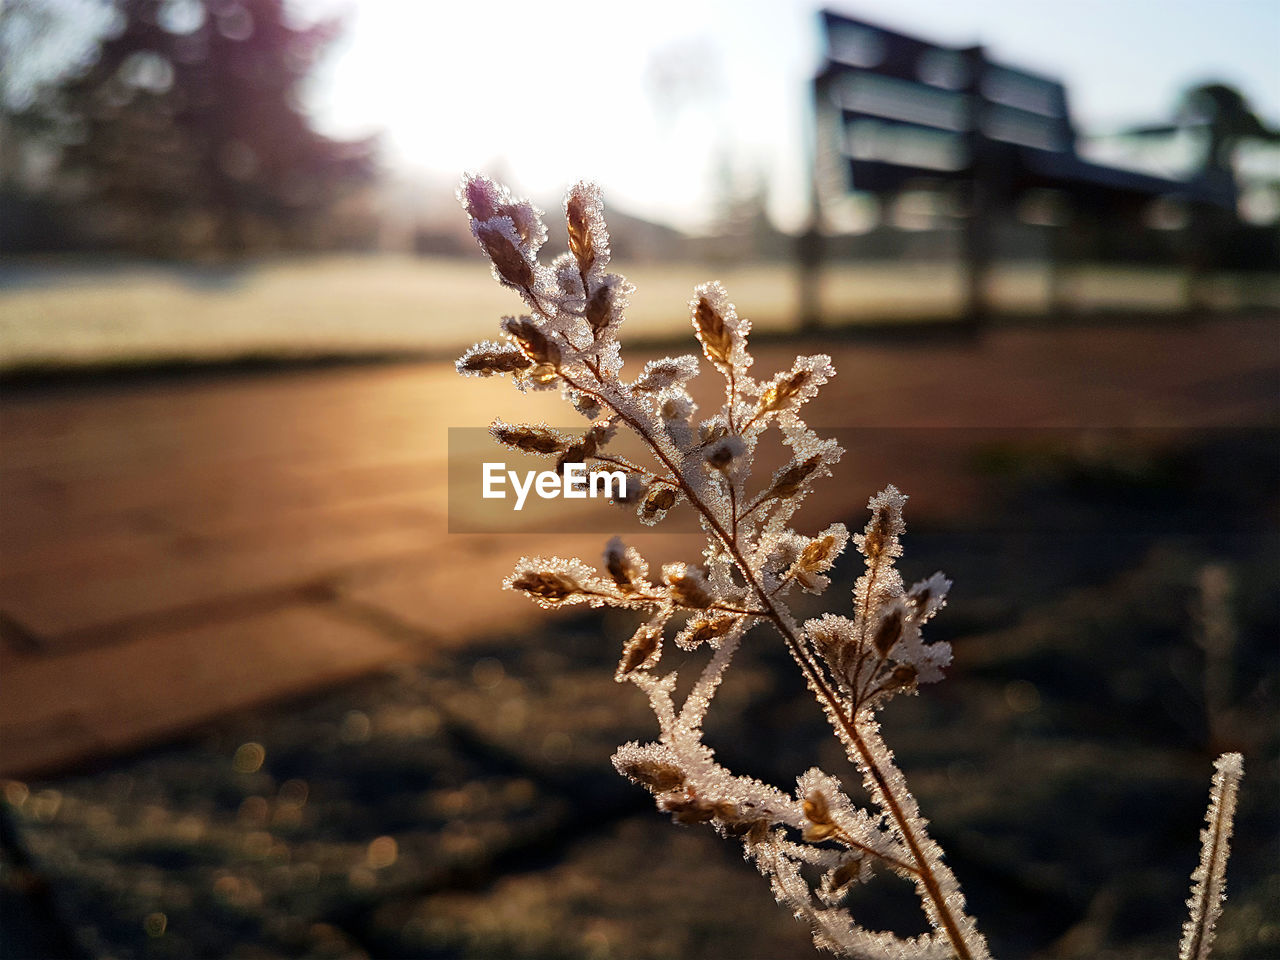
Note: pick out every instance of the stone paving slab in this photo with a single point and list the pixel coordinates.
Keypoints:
(62, 709)
(466, 807)
(137, 515)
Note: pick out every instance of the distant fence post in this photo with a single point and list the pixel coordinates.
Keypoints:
(810, 249)
(981, 205)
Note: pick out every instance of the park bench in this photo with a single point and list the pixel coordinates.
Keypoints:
(900, 113)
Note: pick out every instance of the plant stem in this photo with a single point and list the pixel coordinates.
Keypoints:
(777, 613)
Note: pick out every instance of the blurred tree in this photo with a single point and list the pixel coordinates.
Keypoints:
(186, 132)
(1229, 118)
(38, 43)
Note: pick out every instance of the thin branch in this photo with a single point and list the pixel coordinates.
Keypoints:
(1209, 880)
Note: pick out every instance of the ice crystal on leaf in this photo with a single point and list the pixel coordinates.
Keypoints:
(815, 844)
(660, 375)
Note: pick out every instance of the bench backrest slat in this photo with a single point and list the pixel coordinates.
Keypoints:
(883, 81)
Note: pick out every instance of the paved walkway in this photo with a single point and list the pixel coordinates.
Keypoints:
(176, 549)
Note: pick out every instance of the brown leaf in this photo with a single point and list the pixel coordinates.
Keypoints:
(549, 586)
(717, 342)
(509, 262)
(581, 243)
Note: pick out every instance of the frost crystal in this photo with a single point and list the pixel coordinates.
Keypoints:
(659, 375)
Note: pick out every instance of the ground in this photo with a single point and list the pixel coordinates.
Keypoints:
(190, 564)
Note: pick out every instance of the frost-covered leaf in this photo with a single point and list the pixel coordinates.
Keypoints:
(556, 581)
(644, 648)
(652, 765)
(687, 585)
(530, 438)
(626, 567)
(660, 375)
(655, 504)
(784, 394)
(721, 332)
(709, 628)
(489, 358)
(588, 234)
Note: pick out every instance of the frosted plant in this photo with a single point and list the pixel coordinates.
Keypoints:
(813, 844)
(1209, 880)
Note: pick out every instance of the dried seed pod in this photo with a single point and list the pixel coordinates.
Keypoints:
(721, 453)
(702, 630)
(658, 501)
(598, 307)
(481, 196)
(901, 677)
(928, 596)
(844, 875)
(690, 810)
(489, 359)
(576, 453)
(792, 479)
(836, 640)
(548, 585)
(853, 869)
(687, 585)
(657, 776)
(582, 449)
(642, 651)
(533, 342)
(888, 631)
(920, 598)
(717, 342)
(624, 565)
(724, 810)
(816, 811)
(504, 254)
(880, 537)
(817, 553)
(581, 244)
(542, 440)
(776, 395)
(659, 375)
(676, 407)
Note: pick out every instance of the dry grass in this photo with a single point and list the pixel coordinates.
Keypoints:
(78, 315)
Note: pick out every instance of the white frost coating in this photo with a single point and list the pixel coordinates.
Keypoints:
(625, 563)
(929, 596)
(929, 660)
(751, 562)
(557, 581)
(784, 394)
(1209, 879)
(659, 375)
(724, 452)
(489, 358)
(699, 699)
(585, 203)
(736, 328)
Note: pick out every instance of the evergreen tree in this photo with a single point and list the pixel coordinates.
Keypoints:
(186, 134)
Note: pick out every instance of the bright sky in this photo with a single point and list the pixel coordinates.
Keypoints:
(655, 101)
